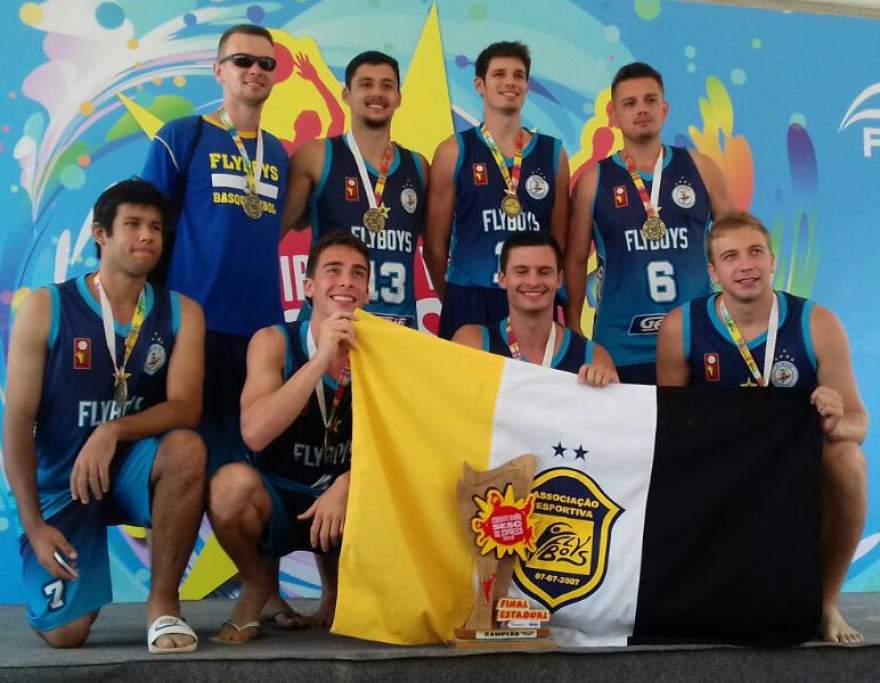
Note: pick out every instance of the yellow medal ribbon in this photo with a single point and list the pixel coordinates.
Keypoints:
(252, 170)
(511, 177)
(743, 347)
(120, 377)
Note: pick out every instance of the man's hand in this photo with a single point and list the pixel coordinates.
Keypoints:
(328, 515)
(45, 540)
(335, 337)
(829, 404)
(597, 375)
(91, 470)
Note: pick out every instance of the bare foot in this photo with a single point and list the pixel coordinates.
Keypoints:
(323, 617)
(244, 624)
(278, 614)
(835, 629)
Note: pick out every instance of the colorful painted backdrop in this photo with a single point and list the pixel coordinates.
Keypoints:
(787, 105)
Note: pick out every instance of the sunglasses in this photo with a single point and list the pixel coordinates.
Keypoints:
(243, 61)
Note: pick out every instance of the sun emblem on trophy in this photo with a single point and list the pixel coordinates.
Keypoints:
(502, 523)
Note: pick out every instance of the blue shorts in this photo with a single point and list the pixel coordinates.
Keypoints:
(284, 533)
(638, 373)
(471, 306)
(225, 371)
(55, 602)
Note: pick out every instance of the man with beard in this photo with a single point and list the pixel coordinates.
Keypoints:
(649, 207)
(366, 184)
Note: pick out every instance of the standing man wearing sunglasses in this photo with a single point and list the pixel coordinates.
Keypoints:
(227, 179)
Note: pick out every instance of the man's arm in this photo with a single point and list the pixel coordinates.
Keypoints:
(441, 206)
(673, 369)
(269, 405)
(181, 409)
(167, 155)
(577, 247)
(715, 184)
(306, 165)
(559, 216)
(837, 397)
(25, 367)
(469, 335)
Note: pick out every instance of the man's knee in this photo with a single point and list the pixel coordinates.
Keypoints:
(233, 487)
(70, 635)
(182, 455)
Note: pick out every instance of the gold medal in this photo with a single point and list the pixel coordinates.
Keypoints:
(120, 387)
(511, 205)
(654, 229)
(374, 218)
(252, 206)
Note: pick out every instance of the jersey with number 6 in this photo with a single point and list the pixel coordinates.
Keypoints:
(641, 280)
(339, 203)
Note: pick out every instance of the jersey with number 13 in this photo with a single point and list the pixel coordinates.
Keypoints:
(339, 203)
(641, 280)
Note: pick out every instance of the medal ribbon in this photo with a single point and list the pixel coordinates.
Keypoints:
(511, 177)
(253, 171)
(745, 352)
(650, 204)
(341, 385)
(516, 354)
(374, 195)
(137, 320)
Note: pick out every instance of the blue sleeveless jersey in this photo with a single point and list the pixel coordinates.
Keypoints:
(339, 203)
(574, 350)
(479, 225)
(222, 259)
(298, 456)
(641, 280)
(77, 393)
(715, 360)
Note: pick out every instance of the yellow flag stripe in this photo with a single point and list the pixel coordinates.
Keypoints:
(403, 413)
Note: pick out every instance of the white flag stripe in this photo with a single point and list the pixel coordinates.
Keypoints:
(239, 182)
(608, 434)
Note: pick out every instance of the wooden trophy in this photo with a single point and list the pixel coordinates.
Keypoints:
(495, 507)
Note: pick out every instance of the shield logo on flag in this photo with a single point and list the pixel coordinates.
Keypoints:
(573, 519)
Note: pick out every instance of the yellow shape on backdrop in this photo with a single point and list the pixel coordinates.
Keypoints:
(307, 89)
(211, 569)
(135, 531)
(149, 122)
(424, 119)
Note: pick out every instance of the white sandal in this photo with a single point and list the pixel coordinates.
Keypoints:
(166, 626)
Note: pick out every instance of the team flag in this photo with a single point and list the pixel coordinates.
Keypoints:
(660, 514)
